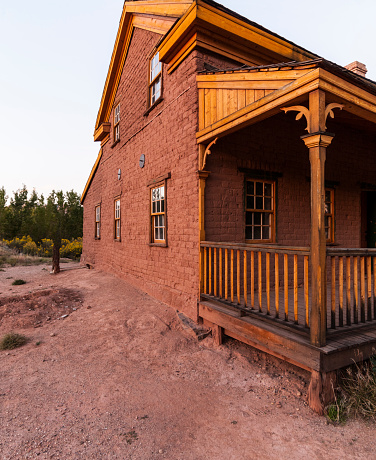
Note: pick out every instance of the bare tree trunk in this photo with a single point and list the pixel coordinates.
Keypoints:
(56, 258)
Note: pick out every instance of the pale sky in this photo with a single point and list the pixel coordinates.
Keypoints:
(54, 59)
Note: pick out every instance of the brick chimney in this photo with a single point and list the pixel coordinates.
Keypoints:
(358, 68)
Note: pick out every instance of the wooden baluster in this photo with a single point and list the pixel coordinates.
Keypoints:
(215, 272)
(238, 275)
(333, 294)
(340, 287)
(362, 291)
(356, 294)
(348, 291)
(369, 289)
(260, 280)
(276, 269)
(306, 289)
(286, 286)
(245, 278)
(205, 271)
(220, 274)
(252, 279)
(226, 274)
(296, 321)
(232, 276)
(268, 283)
(210, 271)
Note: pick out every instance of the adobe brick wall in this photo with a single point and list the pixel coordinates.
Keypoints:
(167, 137)
(275, 145)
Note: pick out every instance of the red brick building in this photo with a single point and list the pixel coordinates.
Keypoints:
(233, 167)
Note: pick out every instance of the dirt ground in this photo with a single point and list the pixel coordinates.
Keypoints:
(109, 373)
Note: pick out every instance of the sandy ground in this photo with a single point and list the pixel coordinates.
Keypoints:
(119, 378)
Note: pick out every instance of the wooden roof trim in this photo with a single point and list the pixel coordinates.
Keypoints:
(93, 171)
(156, 16)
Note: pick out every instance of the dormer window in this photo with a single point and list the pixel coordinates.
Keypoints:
(117, 123)
(155, 79)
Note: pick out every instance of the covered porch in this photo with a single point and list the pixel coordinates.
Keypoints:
(280, 279)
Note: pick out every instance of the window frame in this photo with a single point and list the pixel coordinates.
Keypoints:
(152, 81)
(330, 215)
(154, 241)
(116, 130)
(117, 219)
(271, 212)
(97, 228)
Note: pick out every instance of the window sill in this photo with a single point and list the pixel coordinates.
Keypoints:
(115, 143)
(160, 245)
(152, 106)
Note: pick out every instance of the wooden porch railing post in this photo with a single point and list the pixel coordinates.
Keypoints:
(317, 142)
(202, 176)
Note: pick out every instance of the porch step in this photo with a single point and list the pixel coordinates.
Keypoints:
(196, 331)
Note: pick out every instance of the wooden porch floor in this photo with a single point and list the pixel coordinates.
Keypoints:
(291, 344)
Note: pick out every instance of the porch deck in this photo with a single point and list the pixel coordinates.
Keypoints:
(291, 344)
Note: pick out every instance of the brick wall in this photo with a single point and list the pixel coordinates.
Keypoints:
(167, 138)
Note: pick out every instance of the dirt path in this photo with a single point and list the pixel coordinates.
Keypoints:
(118, 378)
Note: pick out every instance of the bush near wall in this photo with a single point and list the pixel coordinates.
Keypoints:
(70, 249)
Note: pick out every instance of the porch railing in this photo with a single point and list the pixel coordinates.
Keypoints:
(271, 280)
(351, 286)
(275, 281)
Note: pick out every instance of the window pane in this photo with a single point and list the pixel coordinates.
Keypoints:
(267, 204)
(265, 218)
(250, 187)
(327, 195)
(158, 203)
(248, 218)
(250, 202)
(265, 233)
(259, 202)
(257, 218)
(268, 190)
(259, 188)
(162, 192)
(257, 233)
(248, 233)
(161, 222)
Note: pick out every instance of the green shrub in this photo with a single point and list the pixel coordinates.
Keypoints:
(18, 282)
(11, 341)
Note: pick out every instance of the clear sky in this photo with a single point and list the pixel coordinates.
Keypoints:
(54, 59)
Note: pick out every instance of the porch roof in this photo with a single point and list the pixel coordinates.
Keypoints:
(234, 98)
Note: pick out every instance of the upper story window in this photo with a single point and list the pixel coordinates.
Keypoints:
(117, 219)
(329, 215)
(97, 222)
(158, 214)
(155, 79)
(117, 123)
(259, 210)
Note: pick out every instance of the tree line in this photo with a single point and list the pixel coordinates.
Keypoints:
(59, 216)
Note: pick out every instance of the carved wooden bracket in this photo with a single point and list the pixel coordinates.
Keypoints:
(306, 112)
(301, 111)
(208, 152)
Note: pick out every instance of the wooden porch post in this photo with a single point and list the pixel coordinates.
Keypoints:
(317, 142)
(202, 175)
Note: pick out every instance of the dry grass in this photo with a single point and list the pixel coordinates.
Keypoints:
(12, 340)
(10, 257)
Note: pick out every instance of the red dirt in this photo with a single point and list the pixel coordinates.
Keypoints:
(118, 378)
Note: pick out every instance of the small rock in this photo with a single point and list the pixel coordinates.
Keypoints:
(74, 309)
(52, 334)
(279, 405)
(160, 451)
(298, 393)
(64, 316)
(88, 307)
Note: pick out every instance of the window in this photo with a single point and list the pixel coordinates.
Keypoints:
(117, 219)
(155, 79)
(117, 123)
(158, 214)
(259, 210)
(329, 215)
(97, 222)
